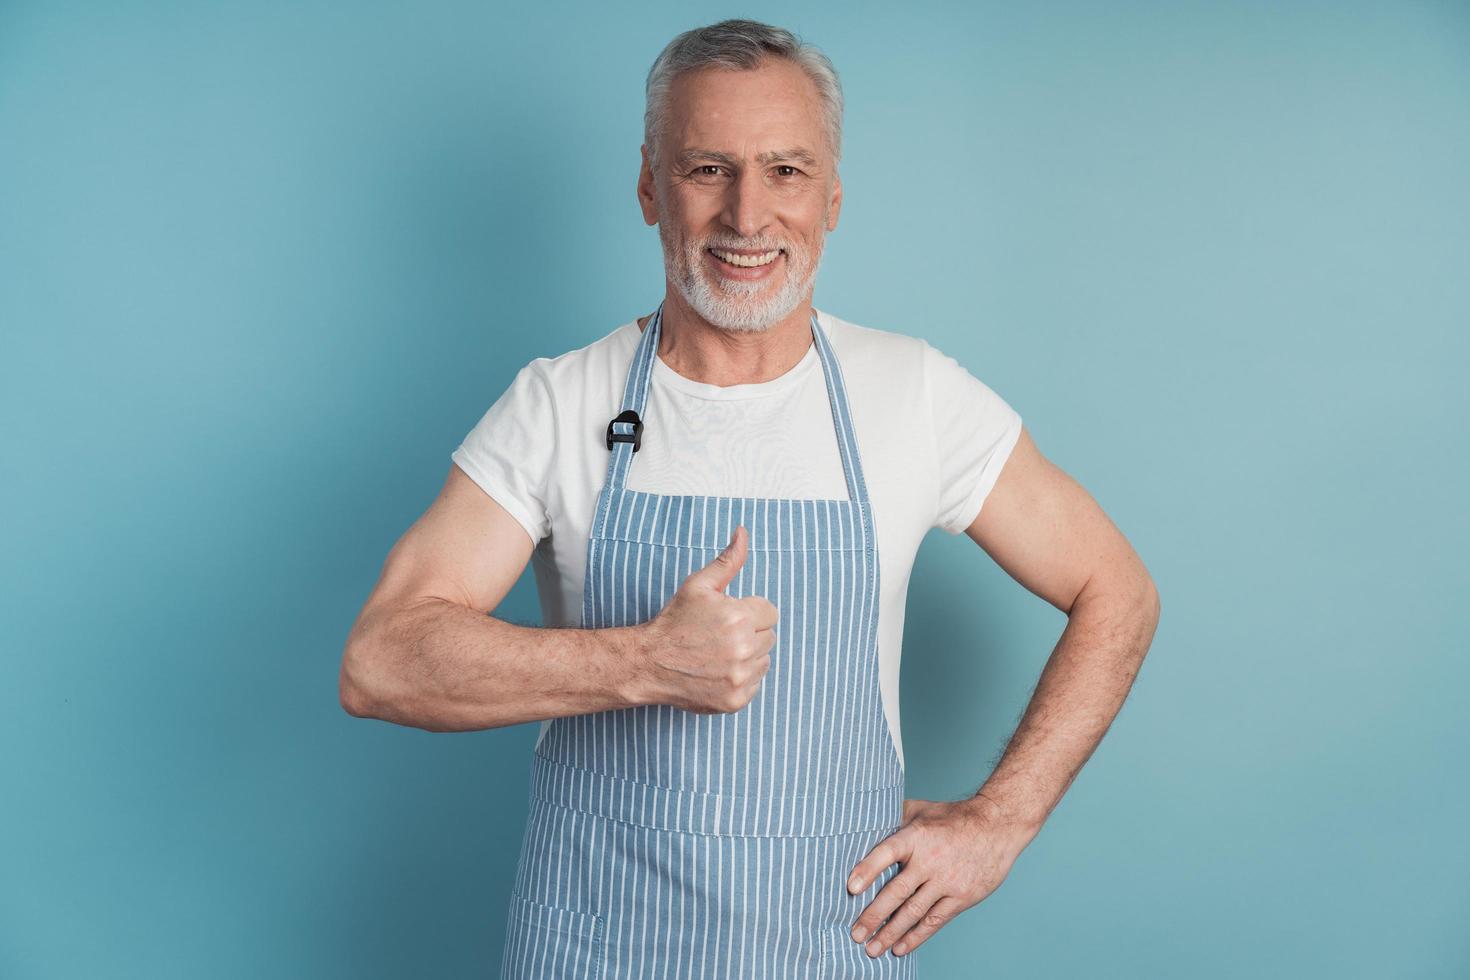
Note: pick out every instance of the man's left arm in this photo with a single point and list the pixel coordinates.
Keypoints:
(1048, 533)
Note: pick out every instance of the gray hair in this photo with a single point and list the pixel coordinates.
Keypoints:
(738, 45)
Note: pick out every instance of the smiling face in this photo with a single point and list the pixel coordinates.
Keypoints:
(744, 192)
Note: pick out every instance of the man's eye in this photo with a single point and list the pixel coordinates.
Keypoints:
(787, 167)
(708, 170)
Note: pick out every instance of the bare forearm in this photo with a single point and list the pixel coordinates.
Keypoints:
(1080, 692)
(442, 666)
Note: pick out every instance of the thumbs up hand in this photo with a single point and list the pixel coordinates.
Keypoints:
(708, 651)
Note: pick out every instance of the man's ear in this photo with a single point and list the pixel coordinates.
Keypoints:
(836, 203)
(646, 199)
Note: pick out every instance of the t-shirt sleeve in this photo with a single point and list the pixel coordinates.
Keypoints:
(974, 433)
(509, 452)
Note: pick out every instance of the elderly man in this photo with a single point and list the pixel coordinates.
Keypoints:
(724, 499)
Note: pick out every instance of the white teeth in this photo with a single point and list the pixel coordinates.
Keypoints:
(748, 261)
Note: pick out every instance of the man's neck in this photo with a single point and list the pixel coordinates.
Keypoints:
(696, 349)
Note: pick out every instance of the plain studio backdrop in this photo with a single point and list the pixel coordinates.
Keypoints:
(263, 265)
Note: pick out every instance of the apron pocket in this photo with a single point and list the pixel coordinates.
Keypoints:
(549, 941)
(844, 958)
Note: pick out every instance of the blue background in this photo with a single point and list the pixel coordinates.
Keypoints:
(262, 265)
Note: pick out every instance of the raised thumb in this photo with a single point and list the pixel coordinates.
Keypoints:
(718, 573)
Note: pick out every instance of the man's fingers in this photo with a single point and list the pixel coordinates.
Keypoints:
(943, 912)
(889, 850)
(889, 898)
(766, 615)
(916, 910)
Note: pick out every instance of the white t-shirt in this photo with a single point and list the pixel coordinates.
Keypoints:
(932, 439)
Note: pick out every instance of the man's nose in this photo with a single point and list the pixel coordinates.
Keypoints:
(747, 204)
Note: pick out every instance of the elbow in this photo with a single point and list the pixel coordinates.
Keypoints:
(1129, 593)
(352, 699)
(350, 693)
(355, 679)
(1142, 599)
(1139, 585)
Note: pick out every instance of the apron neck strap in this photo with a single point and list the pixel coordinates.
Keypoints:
(624, 433)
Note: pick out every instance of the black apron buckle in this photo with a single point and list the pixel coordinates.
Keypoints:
(635, 437)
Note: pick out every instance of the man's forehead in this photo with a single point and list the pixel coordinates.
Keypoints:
(766, 114)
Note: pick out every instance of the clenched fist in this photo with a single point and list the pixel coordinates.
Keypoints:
(707, 650)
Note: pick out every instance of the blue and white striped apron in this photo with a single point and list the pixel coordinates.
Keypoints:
(662, 843)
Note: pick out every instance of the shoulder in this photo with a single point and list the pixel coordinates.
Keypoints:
(604, 358)
(894, 353)
(868, 348)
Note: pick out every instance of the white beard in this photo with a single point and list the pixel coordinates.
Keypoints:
(729, 303)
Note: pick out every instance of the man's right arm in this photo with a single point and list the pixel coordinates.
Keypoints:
(425, 652)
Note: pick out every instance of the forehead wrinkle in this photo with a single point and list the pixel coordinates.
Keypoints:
(686, 157)
(797, 153)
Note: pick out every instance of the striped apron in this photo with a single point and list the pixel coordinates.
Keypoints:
(662, 843)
